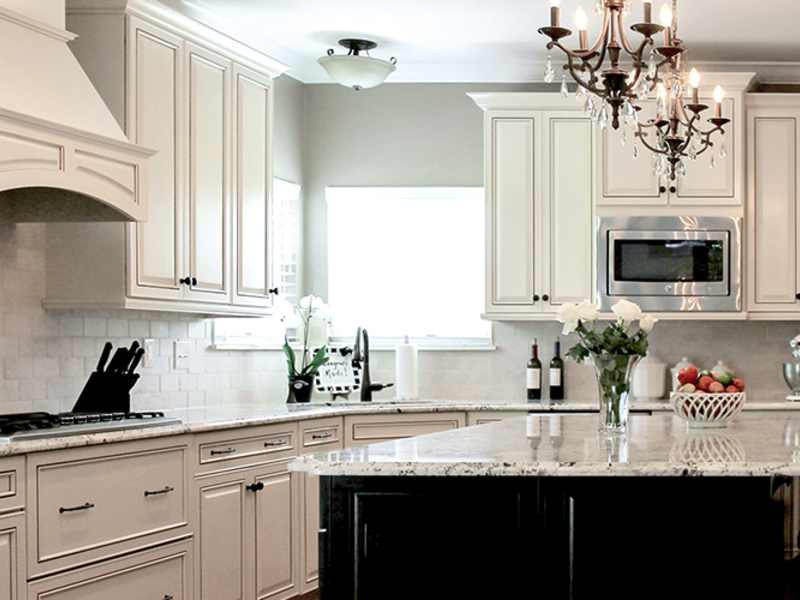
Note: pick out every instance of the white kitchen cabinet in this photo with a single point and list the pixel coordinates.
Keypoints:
(12, 528)
(316, 435)
(370, 429)
(625, 180)
(539, 180)
(90, 503)
(161, 573)
(204, 102)
(249, 514)
(773, 218)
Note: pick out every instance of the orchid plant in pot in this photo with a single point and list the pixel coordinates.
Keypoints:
(303, 371)
(614, 351)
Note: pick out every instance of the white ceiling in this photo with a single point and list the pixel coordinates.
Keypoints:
(491, 40)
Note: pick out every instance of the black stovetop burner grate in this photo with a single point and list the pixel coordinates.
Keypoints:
(19, 422)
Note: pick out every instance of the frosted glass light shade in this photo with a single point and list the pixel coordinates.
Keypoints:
(359, 72)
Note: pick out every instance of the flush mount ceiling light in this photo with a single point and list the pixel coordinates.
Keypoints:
(611, 93)
(354, 70)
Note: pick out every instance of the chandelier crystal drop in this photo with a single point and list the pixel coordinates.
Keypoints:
(613, 93)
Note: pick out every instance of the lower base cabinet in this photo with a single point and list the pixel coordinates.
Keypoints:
(162, 573)
(12, 537)
(249, 534)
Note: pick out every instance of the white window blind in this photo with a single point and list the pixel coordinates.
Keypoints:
(407, 262)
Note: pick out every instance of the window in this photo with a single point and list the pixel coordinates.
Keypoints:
(408, 262)
(246, 333)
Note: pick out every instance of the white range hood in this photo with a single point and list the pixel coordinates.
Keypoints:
(63, 156)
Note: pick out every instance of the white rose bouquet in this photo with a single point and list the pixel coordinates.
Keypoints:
(614, 351)
(614, 339)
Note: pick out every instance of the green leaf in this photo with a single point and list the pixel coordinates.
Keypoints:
(287, 350)
(320, 358)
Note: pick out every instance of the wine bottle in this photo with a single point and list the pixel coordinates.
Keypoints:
(534, 374)
(557, 375)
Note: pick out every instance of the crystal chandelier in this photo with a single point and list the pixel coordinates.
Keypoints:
(610, 93)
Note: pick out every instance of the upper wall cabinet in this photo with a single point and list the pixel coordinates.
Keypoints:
(204, 102)
(539, 166)
(773, 218)
(625, 179)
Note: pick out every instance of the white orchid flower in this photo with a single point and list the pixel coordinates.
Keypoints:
(627, 312)
(646, 322)
(567, 314)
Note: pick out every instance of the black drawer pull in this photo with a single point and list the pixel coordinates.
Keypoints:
(167, 597)
(86, 506)
(320, 436)
(278, 443)
(256, 487)
(165, 490)
(226, 451)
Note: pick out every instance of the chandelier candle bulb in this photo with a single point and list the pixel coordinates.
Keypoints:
(694, 82)
(554, 20)
(718, 94)
(582, 22)
(648, 11)
(666, 21)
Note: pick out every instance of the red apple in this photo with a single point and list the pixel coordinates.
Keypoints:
(716, 387)
(704, 382)
(687, 375)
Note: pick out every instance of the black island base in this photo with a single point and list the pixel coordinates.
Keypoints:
(553, 538)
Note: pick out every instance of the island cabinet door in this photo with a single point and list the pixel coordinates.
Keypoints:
(397, 538)
(643, 530)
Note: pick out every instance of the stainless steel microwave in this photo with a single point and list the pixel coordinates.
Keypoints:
(668, 264)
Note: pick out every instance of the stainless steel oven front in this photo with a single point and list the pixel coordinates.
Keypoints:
(668, 264)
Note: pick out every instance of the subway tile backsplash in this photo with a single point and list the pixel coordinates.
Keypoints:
(46, 356)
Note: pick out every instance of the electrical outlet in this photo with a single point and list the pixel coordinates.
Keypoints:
(149, 345)
(181, 355)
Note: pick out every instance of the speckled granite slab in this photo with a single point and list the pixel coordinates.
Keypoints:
(755, 443)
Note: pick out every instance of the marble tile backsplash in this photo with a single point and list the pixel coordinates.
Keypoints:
(46, 356)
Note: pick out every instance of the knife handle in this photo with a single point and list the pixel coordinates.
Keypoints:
(136, 360)
(104, 357)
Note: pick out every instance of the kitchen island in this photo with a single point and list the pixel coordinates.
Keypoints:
(545, 507)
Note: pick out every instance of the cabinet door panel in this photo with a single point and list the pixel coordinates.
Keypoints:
(253, 185)
(512, 212)
(774, 213)
(625, 179)
(276, 536)
(700, 180)
(156, 123)
(223, 531)
(568, 209)
(208, 178)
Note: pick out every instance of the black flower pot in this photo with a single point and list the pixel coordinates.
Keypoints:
(300, 387)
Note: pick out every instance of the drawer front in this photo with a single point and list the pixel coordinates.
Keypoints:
(277, 444)
(376, 429)
(147, 576)
(11, 495)
(89, 504)
(321, 435)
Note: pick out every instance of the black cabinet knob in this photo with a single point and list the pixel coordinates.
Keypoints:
(545, 297)
(256, 487)
(661, 189)
(797, 296)
(188, 280)
(672, 189)
(273, 291)
(536, 297)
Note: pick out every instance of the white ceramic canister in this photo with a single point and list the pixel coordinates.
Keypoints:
(683, 363)
(649, 379)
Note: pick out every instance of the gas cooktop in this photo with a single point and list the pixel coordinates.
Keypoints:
(40, 425)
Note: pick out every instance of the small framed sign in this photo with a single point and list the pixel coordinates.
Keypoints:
(338, 376)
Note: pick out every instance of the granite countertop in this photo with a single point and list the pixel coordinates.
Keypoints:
(752, 444)
(216, 418)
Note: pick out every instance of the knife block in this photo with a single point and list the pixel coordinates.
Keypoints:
(106, 392)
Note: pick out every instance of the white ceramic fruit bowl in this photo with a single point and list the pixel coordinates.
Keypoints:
(707, 410)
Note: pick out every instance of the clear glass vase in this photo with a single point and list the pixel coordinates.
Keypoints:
(614, 373)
